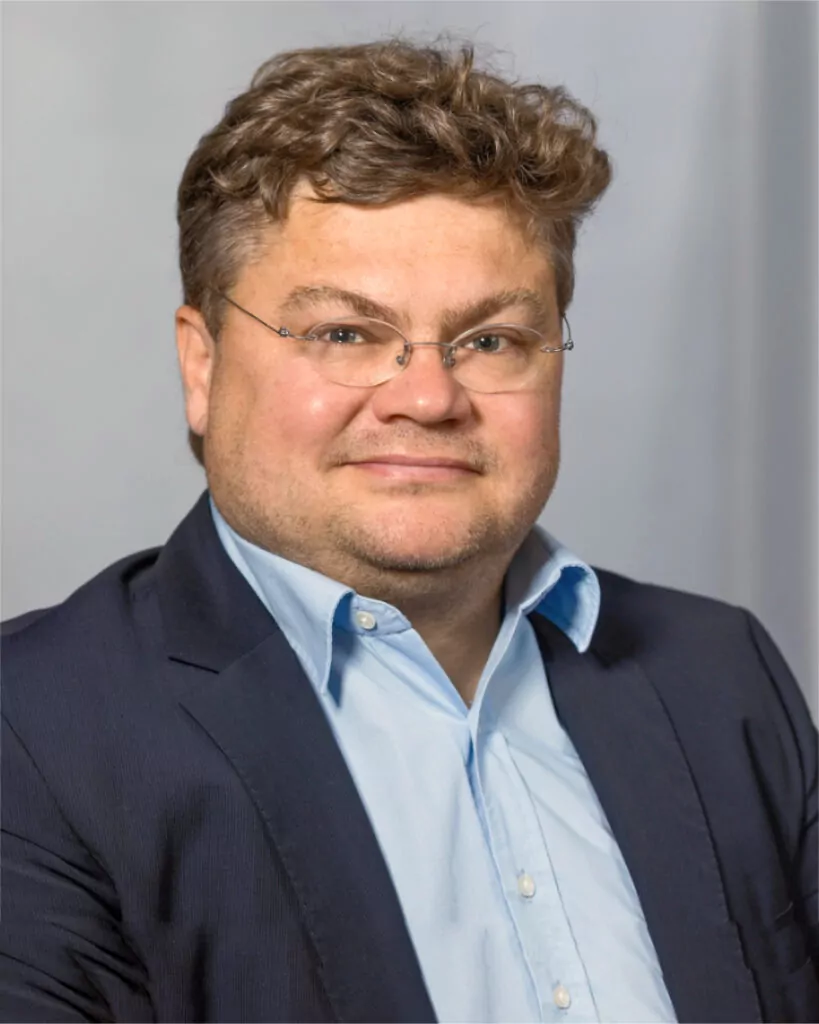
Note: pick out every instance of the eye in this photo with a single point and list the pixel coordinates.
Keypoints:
(339, 334)
(348, 333)
(490, 342)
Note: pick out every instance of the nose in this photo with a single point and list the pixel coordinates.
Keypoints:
(425, 389)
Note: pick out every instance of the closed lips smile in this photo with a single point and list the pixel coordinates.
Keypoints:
(415, 467)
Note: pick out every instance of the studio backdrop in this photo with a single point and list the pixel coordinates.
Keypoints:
(690, 411)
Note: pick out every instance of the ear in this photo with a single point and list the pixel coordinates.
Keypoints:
(196, 350)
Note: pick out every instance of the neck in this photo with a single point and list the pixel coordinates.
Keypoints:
(462, 652)
(459, 634)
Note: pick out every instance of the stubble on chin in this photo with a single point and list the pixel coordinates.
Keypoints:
(416, 555)
(411, 545)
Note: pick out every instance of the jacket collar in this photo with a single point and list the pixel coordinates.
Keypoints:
(210, 616)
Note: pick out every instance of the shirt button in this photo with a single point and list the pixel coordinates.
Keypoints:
(365, 620)
(562, 998)
(526, 885)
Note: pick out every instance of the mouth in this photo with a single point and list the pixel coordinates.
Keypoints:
(415, 468)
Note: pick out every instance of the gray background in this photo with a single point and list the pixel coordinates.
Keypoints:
(690, 424)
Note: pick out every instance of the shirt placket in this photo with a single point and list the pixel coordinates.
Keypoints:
(530, 887)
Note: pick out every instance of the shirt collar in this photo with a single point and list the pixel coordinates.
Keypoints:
(544, 577)
(547, 578)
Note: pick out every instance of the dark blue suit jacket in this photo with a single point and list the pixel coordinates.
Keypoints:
(183, 842)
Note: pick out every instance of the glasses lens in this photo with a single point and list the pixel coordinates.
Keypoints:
(498, 358)
(356, 351)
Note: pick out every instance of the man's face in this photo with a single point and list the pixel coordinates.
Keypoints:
(296, 463)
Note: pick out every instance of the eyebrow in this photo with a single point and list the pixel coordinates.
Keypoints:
(454, 320)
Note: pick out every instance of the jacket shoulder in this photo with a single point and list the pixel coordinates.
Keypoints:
(627, 596)
(649, 619)
(96, 618)
(714, 664)
(699, 651)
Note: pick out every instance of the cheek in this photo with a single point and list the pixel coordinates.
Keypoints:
(530, 430)
(304, 418)
(282, 417)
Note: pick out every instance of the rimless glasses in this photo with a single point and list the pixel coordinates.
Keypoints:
(363, 352)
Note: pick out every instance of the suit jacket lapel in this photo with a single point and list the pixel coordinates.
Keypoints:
(258, 706)
(628, 745)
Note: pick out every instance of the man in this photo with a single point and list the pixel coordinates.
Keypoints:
(362, 742)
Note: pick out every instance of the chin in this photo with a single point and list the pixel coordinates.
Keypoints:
(412, 544)
(407, 561)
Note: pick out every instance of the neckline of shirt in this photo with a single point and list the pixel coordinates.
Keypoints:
(544, 577)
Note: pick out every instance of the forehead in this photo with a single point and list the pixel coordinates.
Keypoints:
(434, 247)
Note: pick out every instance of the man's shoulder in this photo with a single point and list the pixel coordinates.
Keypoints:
(700, 646)
(99, 610)
(699, 651)
(654, 612)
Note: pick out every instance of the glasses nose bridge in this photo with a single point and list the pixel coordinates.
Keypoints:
(447, 355)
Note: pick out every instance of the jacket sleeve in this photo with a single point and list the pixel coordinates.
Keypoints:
(804, 882)
(63, 955)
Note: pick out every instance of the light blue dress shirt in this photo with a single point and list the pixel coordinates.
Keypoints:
(515, 893)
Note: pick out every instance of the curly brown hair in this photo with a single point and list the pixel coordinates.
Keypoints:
(379, 122)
